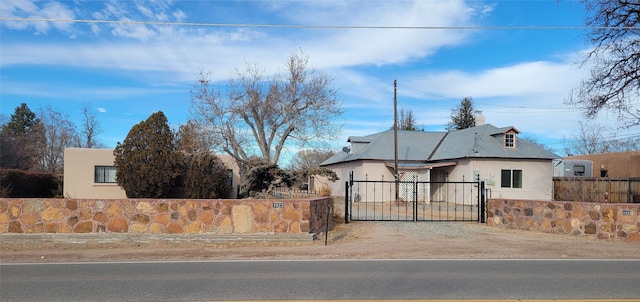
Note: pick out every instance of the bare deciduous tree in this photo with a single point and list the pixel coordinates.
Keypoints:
(258, 114)
(615, 74)
(534, 140)
(406, 120)
(596, 139)
(309, 158)
(59, 133)
(31, 143)
(90, 128)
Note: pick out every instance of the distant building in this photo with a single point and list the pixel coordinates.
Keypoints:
(613, 165)
(90, 173)
(572, 168)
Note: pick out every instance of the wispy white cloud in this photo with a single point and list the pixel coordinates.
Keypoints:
(183, 51)
(354, 47)
(80, 93)
(525, 78)
(141, 11)
(36, 9)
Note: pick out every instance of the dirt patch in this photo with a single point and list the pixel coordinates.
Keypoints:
(357, 240)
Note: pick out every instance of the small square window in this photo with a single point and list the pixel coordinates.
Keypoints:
(104, 174)
(511, 179)
(509, 140)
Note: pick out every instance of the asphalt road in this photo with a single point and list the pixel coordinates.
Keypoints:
(328, 279)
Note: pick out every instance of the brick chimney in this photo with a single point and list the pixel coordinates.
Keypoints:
(480, 118)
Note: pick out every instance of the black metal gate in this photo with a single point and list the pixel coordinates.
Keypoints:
(368, 200)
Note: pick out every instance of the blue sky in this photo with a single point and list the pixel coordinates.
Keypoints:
(517, 77)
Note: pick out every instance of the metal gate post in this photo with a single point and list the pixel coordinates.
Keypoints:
(346, 202)
(415, 200)
(483, 203)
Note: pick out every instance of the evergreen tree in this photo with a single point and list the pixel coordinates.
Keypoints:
(191, 138)
(20, 138)
(205, 177)
(146, 162)
(462, 117)
(22, 120)
(204, 174)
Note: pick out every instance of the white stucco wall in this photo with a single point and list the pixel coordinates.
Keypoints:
(342, 171)
(537, 182)
(79, 168)
(537, 177)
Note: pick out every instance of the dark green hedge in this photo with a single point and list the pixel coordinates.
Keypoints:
(21, 184)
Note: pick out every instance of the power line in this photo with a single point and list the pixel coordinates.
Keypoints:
(367, 98)
(545, 109)
(303, 26)
(431, 93)
(605, 139)
(540, 109)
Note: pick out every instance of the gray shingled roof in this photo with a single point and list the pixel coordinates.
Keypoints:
(484, 141)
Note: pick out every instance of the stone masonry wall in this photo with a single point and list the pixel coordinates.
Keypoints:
(602, 220)
(163, 216)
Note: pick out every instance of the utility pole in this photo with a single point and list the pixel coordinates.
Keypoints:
(395, 139)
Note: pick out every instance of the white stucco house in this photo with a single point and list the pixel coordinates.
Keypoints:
(511, 167)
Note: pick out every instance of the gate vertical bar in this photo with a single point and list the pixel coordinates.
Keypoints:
(415, 199)
(482, 203)
(346, 202)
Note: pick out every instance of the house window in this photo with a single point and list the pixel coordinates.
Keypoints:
(511, 179)
(509, 140)
(104, 174)
(604, 173)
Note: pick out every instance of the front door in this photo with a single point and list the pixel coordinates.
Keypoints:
(439, 187)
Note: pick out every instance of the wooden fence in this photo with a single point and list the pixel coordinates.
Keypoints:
(597, 189)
